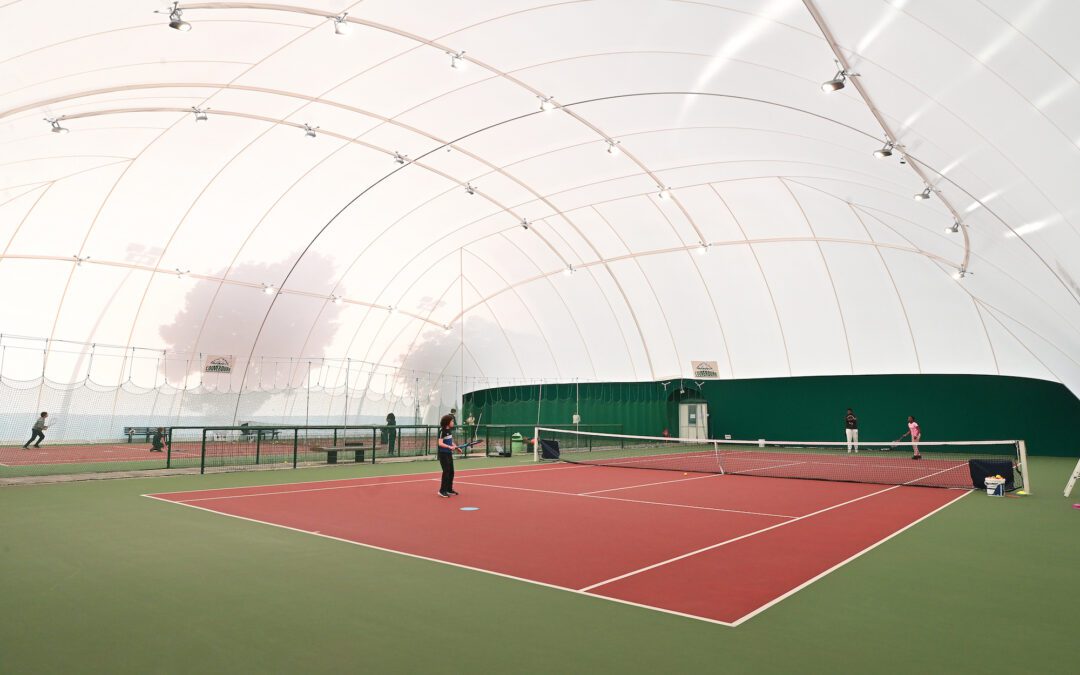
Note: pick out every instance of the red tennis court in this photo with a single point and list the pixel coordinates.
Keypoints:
(720, 548)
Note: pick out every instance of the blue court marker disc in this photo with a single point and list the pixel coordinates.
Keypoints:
(470, 508)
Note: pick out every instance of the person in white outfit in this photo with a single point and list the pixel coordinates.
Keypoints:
(851, 428)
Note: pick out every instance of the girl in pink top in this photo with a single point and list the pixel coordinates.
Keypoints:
(916, 433)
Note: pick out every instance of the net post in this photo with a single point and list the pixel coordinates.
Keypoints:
(536, 444)
(1072, 479)
(295, 444)
(1026, 471)
(202, 453)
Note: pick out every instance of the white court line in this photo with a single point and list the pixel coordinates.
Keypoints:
(731, 541)
(624, 499)
(496, 471)
(747, 535)
(785, 596)
(662, 482)
(447, 562)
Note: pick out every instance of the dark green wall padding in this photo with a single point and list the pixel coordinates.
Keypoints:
(948, 408)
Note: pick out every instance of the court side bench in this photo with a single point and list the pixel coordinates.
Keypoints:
(145, 432)
(332, 451)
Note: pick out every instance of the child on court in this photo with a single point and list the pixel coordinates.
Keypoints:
(38, 432)
(447, 448)
(916, 433)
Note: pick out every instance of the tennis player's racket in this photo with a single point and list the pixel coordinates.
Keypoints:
(466, 446)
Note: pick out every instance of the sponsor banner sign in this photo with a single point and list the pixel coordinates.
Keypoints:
(705, 369)
(218, 364)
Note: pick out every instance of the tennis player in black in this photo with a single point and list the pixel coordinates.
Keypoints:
(851, 429)
(447, 448)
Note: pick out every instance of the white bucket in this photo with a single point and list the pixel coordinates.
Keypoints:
(995, 487)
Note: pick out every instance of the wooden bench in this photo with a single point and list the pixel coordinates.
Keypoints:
(332, 451)
(145, 432)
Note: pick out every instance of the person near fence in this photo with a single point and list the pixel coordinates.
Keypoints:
(447, 448)
(157, 441)
(389, 433)
(38, 432)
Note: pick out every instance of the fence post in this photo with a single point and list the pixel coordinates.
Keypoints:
(202, 454)
(295, 444)
(168, 445)
(374, 438)
(258, 444)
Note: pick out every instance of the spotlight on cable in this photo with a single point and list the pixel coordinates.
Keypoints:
(391, 309)
(704, 248)
(954, 228)
(336, 299)
(922, 196)
(569, 271)
(525, 223)
(612, 146)
(839, 80)
(664, 193)
(961, 273)
(56, 128)
(341, 26)
(176, 18)
(457, 60)
(269, 289)
(546, 103)
(400, 158)
(309, 130)
(180, 274)
(885, 150)
(200, 113)
(469, 189)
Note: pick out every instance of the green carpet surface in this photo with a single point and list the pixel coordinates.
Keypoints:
(95, 578)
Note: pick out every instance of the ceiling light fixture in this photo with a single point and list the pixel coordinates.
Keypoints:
(525, 223)
(470, 189)
(337, 299)
(79, 260)
(704, 249)
(961, 273)
(400, 158)
(885, 150)
(309, 130)
(176, 20)
(665, 192)
(838, 81)
(569, 270)
(341, 26)
(200, 113)
(924, 195)
(391, 309)
(56, 128)
(457, 60)
(546, 103)
(612, 146)
(954, 228)
(180, 274)
(269, 289)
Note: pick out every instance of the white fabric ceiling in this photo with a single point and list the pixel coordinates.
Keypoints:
(818, 261)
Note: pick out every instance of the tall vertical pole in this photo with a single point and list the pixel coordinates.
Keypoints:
(345, 429)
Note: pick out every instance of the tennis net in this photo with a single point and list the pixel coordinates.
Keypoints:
(953, 464)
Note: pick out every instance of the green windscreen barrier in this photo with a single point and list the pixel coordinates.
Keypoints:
(947, 407)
